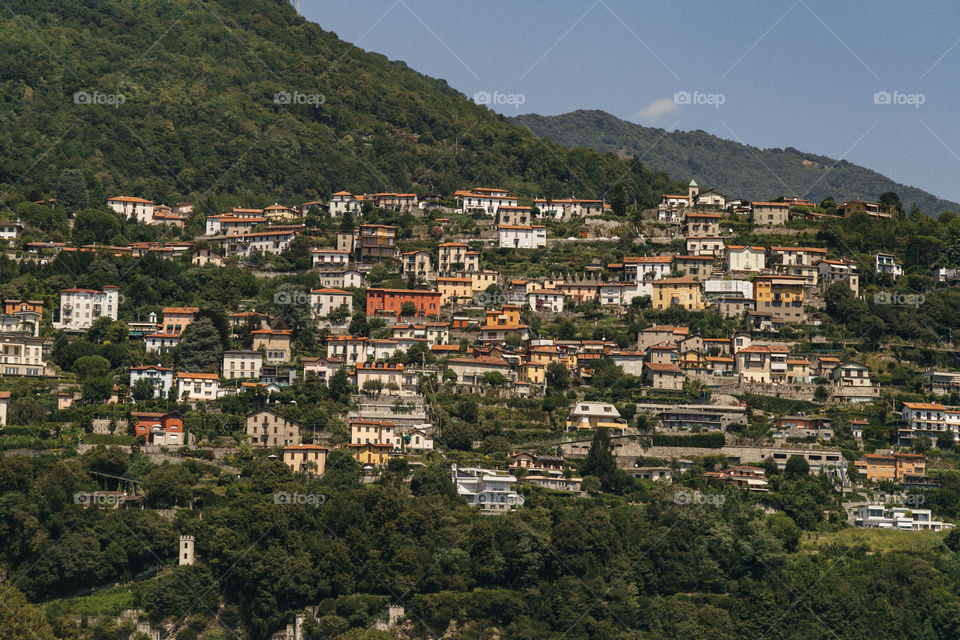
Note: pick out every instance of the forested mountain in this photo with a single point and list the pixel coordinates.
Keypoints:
(738, 170)
(177, 100)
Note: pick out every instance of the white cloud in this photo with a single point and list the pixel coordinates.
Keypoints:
(656, 109)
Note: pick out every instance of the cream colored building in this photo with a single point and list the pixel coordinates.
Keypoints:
(241, 365)
(267, 428)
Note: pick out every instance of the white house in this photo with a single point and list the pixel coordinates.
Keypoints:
(489, 489)
(887, 263)
(243, 364)
(545, 300)
(132, 208)
(198, 386)
(901, 518)
(80, 308)
(705, 246)
(323, 301)
(344, 202)
(522, 237)
(10, 229)
(639, 269)
(272, 241)
(160, 377)
(160, 342)
(417, 440)
(487, 200)
(330, 258)
(746, 258)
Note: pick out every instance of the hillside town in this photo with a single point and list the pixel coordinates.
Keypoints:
(398, 314)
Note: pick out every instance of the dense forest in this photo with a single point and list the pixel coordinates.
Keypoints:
(592, 568)
(245, 100)
(738, 170)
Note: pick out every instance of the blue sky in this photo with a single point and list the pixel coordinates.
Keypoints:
(793, 73)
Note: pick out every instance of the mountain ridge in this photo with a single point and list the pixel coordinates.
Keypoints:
(736, 169)
(244, 102)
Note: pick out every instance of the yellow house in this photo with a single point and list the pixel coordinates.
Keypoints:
(306, 458)
(533, 372)
(509, 316)
(481, 280)
(275, 343)
(369, 453)
(454, 289)
(684, 292)
(781, 296)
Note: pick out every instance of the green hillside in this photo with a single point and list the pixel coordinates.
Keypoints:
(246, 101)
(738, 170)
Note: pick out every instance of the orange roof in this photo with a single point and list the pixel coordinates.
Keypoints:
(332, 291)
(488, 360)
(201, 376)
(129, 199)
(770, 204)
(809, 249)
(173, 310)
(924, 406)
(671, 281)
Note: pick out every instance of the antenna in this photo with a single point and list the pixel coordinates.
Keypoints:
(299, 3)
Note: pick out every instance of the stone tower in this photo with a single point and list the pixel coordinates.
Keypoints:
(693, 190)
(186, 550)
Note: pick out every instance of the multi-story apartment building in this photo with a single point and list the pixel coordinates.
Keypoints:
(277, 344)
(267, 428)
(198, 386)
(374, 432)
(324, 301)
(242, 365)
(781, 296)
(377, 242)
(684, 292)
(417, 264)
(746, 258)
(22, 355)
(391, 301)
(80, 308)
(160, 377)
(132, 208)
(522, 236)
(770, 214)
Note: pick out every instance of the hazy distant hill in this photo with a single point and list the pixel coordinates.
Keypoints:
(735, 169)
(245, 101)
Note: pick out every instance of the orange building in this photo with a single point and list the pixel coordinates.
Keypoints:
(13, 306)
(177, 319)
(391, 301)
(892, 467)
